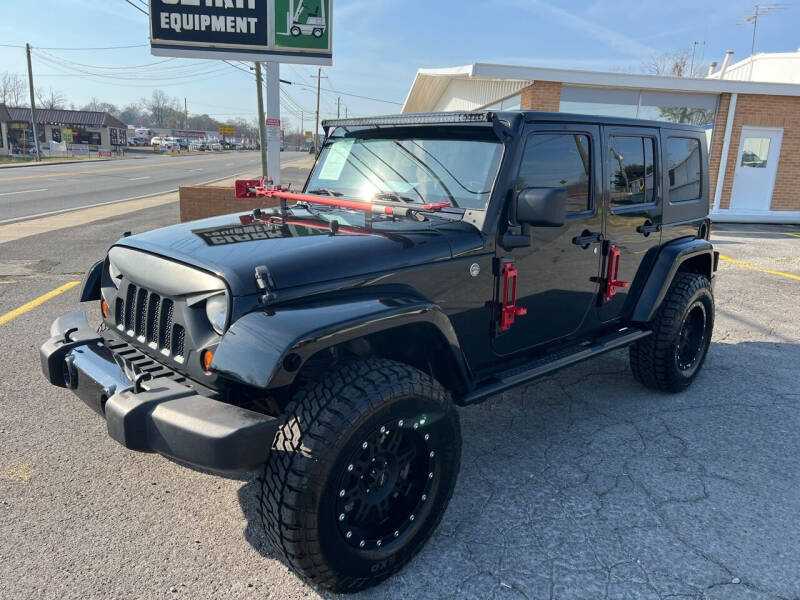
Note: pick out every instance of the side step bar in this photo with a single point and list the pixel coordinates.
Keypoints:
(525, 373)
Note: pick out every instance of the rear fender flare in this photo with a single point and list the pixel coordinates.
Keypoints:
(670, 260)
(267, 348)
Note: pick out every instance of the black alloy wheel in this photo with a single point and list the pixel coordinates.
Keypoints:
(385, 486)
(691, 339)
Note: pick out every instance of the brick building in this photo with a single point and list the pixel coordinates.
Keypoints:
(753, 126)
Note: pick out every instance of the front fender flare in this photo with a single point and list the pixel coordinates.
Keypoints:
(260, 348)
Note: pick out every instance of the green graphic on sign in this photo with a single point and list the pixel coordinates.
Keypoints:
(303, 24)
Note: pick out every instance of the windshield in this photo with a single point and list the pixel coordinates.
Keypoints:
(421, 170)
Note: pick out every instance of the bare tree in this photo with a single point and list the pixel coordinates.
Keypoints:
(96, 105)
(677, 63)
(51, 99)
(13, 89)
(161, 107)
(670, 63)
(133, 114)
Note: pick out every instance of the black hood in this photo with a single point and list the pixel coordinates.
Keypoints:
(298, 252)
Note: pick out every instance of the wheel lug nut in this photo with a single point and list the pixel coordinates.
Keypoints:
(412, 517)
(396, 534)
(350, 467)
(341, 517)
(364, 445)
(401, 422)
(342, 493)
(427, 437)
(416, 425)
(383, 429)
(349, 535)
(432, 453)
(430, 475)
(362, 543)
(379, 542)
(424, 497)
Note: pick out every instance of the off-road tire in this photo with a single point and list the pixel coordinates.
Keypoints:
(654, 359)
(321, 429)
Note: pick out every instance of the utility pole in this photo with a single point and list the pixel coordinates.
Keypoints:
(316, 128)
(262, 133)
(339, 108)
(33, 104)
(186, 112)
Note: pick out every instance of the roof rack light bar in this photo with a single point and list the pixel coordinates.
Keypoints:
(414, 119)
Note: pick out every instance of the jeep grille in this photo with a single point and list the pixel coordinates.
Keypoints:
(148, 317)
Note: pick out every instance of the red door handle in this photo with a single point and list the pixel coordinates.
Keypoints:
(612, 277)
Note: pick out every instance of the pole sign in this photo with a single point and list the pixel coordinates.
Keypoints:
(287, 31)
(226, 130)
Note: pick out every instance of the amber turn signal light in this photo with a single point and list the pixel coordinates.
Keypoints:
(104, 309)
(206, 357)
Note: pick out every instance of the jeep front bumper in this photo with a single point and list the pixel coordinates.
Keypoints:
(157, 415)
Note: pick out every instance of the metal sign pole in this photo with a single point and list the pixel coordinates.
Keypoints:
(274, 121)
(261, 124)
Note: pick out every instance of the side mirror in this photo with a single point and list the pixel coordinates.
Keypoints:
(541, 207)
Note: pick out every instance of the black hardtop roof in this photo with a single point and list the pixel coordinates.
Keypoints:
(486, 117)
(534, 115)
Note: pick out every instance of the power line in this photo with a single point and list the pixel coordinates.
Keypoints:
(140, 9)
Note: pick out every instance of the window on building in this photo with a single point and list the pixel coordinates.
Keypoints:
(559, 160)
(632, 169)
(755, 151)
(512, 103)
(56, 135)
(675, 107)
(81, 135)
(683, 155)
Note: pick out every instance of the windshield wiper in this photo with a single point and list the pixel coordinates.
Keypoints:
(394, 196)
(326, 192)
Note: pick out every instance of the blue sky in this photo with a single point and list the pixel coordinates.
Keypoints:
(379, 45)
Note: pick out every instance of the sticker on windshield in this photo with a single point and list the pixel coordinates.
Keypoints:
(335, 160)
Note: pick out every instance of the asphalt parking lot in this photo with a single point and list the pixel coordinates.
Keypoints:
(583, 485)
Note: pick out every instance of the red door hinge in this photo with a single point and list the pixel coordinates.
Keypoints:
(612, 282)
(509, 310)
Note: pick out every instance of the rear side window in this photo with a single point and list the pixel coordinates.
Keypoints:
(559, 160)
(683, 155)
(632, 168)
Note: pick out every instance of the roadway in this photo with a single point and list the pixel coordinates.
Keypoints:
(37, 191)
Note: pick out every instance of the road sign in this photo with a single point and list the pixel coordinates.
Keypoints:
(309, 135)
(288, 31)
(226, 130)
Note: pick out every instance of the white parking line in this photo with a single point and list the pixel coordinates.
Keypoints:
(139, 178)
(25, 192)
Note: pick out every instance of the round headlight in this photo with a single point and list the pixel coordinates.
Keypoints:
(217, 312)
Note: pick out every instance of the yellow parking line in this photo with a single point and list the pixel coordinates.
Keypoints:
(745, 265)
(10, 316)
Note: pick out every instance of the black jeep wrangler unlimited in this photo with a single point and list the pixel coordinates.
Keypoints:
(432, 261)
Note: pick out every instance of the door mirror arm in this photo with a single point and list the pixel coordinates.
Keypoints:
(511, 240)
